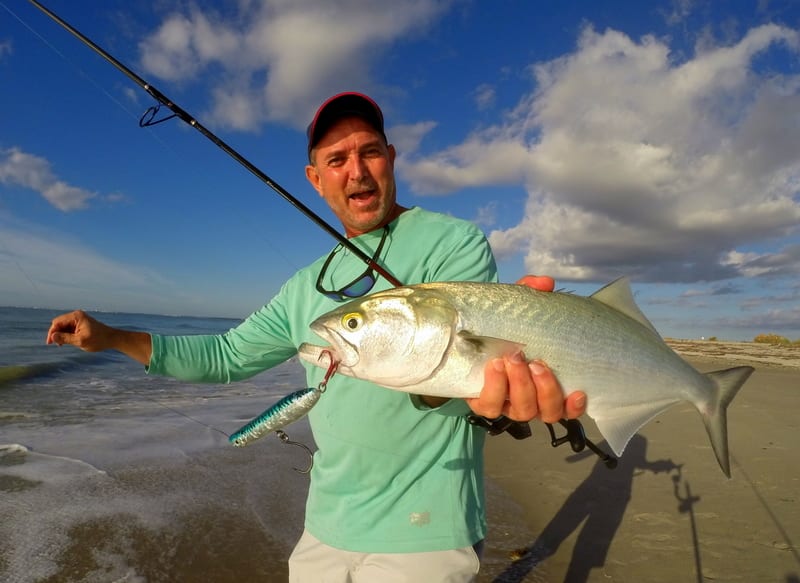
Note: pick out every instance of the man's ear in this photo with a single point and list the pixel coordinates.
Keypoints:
(313, 177)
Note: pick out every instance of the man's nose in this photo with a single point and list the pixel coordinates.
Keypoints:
(357, 167)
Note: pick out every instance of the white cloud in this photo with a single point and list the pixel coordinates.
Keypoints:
(485, 96)
(482, 159)
(487, 215)
(784, 262)
(275, 60)
(23, 169)
(407, 138)
(638, 164)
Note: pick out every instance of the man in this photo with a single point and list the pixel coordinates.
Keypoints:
(396, 490)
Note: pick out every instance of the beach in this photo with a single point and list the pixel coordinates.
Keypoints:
(667, 513)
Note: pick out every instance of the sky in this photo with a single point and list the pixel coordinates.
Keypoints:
(588, 139)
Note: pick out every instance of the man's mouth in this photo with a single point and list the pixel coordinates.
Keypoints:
(365, 195)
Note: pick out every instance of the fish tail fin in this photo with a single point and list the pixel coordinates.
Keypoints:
(726, 384)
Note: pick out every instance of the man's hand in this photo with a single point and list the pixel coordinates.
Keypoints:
(523, 391)
(81, 330)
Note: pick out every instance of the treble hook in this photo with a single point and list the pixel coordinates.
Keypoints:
(285, 439)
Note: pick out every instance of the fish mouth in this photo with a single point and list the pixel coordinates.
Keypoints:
(340, 349)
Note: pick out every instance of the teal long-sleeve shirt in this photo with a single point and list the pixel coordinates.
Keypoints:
(389, 475)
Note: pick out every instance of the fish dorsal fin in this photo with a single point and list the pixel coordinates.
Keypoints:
(618, 295)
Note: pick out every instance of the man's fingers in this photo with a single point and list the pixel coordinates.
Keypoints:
(548, 391)
(62, 325)
(491, 401)
(538, 282)
(522, 392)
(575, 405)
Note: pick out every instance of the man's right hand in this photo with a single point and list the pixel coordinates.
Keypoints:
(81, 330)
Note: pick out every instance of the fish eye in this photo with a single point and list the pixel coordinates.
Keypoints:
(352, 321)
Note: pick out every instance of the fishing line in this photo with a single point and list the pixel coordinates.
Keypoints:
(280, 434)
(781, 529)
(182, 414)
(14, 259)
(149, 118)
(82, 72)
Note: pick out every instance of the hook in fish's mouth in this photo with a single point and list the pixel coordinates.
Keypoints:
(339, 349)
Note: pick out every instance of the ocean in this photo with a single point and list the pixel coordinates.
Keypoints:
(110, 475)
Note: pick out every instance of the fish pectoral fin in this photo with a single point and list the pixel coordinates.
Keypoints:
(485, 346)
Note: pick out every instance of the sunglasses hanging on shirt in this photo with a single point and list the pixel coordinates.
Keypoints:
(361, 285)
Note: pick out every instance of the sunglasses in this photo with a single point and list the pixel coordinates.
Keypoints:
(360, 285)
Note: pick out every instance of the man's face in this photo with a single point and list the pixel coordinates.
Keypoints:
(353, 170)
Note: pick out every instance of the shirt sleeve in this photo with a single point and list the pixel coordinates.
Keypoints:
(258, 343)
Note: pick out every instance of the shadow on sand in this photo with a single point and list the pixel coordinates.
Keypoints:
(598, 504)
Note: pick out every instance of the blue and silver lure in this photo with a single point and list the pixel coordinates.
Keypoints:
(289, 409)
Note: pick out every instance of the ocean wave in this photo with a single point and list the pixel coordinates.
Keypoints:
(17, 459)
(8, 448)
(18, 372)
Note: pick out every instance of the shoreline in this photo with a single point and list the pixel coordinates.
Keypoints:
(738, 353)
(666, 513)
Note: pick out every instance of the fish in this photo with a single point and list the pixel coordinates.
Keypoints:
(436, 338)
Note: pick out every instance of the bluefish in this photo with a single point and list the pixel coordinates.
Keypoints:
(435, 339)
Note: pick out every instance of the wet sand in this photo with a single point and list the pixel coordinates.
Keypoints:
(666, 513)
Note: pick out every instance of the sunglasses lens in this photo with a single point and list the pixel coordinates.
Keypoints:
(357, 288)
(360, 287)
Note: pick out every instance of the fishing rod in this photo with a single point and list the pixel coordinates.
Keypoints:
(149, 119)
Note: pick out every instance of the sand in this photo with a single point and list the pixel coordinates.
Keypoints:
(666, 513)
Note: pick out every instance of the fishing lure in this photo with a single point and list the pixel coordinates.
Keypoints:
(288, 410)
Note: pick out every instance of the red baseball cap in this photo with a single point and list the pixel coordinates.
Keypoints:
(339, 106)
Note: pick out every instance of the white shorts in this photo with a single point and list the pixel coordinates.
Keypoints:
(315, 562)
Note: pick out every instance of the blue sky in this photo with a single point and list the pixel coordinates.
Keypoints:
(588, 139)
